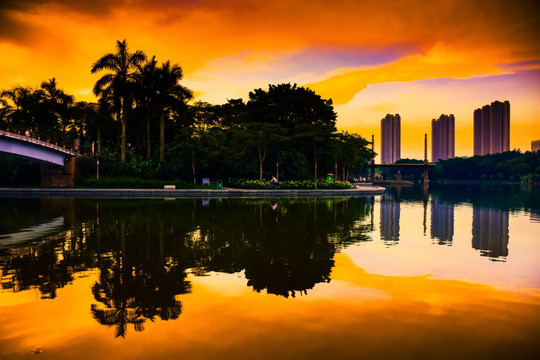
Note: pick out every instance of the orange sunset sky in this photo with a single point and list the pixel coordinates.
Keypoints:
(420, 59)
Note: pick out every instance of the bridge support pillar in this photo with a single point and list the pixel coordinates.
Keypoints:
(60, 176)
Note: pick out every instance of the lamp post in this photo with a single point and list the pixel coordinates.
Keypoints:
(277, 171)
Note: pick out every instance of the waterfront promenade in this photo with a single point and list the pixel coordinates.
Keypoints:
(190, 193)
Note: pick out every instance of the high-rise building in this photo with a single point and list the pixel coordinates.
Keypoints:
(477, 116)
(492, 128)
(443, 138)
(535, 145)
(390, 139)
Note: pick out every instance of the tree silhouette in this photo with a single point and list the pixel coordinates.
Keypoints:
(261, 136)
(115, 85)
(170, 95)
(146, 89)
(309, 119)
(5, 111)
(20, 117)
(316, 135)
(58, 104)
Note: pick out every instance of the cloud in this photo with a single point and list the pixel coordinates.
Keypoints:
(249, 69)
(14, 26)
(441, 61)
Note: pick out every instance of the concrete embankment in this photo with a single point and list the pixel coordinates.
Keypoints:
(188, 193)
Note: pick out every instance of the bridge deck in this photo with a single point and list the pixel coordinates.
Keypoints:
(39, 143)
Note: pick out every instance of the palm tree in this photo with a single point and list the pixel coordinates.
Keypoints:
(58, 104)
(5, 111)
(170, 95)
(19, 116)
(79, 114)
(121, 66)
(147, 76)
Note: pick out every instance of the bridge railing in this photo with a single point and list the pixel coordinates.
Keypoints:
(38, 142)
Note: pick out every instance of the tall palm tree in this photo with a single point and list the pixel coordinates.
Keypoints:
(122, 66)
(58, 104)
(21, 97)
(5, 111)
(79, 113)
(170, 95)
(147, 76)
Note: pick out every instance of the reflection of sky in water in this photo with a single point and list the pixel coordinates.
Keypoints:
(487, 245)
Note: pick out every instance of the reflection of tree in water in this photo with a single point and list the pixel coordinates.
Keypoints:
(36, 268)
(140, 270)
(293, 251)
(286, 249)
(143, 248)
(47, 266)
(132, 295)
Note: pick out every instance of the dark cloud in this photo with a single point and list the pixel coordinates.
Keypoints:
(13, 28)
(86, 6)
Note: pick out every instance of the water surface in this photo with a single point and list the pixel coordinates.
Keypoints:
(451, 273)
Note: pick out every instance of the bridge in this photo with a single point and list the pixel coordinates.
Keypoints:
(58, 164)
(426, 165)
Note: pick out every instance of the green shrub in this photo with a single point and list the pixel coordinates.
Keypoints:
(247, 184)
(321, 184)
(288, 184)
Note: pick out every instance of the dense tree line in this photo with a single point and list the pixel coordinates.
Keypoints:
(507, 166)
(145, 124)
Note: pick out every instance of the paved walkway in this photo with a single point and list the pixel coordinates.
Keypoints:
(189, 193)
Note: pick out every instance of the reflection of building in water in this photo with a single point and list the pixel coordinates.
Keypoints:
(490, 232)
(442, 222)
(389, 221)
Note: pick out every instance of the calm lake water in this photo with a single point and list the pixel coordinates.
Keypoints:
(449, 274)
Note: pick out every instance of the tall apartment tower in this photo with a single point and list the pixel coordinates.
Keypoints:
(492, 128)
(390, 139)
(535, 145)
(443, 138)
